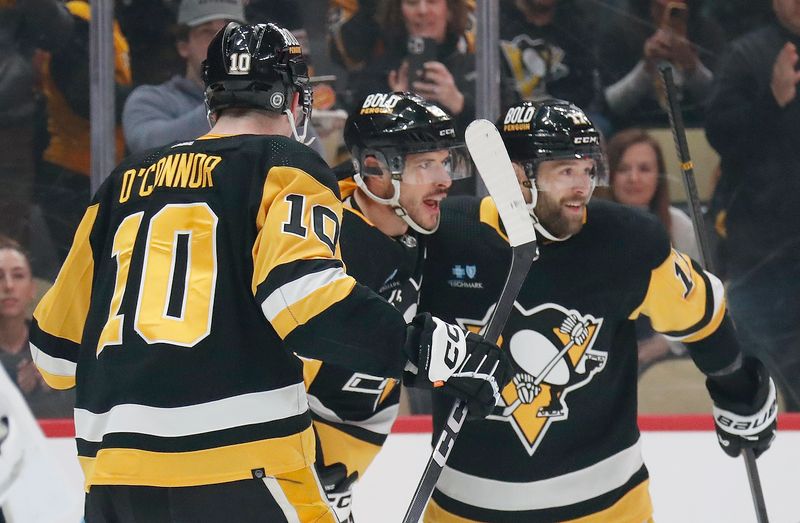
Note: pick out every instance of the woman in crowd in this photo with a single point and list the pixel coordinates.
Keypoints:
(638, 178)
(448, 80)
(17, 292)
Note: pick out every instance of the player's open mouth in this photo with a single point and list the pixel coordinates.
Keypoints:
(574, 207)
(433, 203)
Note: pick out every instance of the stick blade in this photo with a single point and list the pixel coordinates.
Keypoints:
(491, 158)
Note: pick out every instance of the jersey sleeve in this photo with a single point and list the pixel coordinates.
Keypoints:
(300, 282)
(59, 319)
(687, 304)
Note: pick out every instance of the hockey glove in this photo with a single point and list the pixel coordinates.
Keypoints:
(338, 487)
(467, 366)
(745, 408)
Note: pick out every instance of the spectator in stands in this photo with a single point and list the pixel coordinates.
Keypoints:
(149, 25)
(156, 115)
(448, 81)
(549, 51)
(638, 178)
(643, 36)
(753, 121)
(25, 25)
(17, 292)
(354, 32)
(63, 181)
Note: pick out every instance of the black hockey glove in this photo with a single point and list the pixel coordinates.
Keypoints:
(745, 408)
(338, 487)
(464, 364)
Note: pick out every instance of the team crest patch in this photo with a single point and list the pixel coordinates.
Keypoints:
(553, 356)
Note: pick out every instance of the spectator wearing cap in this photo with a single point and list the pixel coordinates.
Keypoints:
(156, 115)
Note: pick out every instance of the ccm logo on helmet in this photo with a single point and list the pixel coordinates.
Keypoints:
(586, 139)
(379, 103)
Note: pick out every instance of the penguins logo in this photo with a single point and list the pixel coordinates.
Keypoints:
(534, 62)
(553, 359)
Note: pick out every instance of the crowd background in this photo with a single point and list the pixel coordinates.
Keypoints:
(735, 65)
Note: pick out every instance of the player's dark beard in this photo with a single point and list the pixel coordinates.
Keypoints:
(551, 214)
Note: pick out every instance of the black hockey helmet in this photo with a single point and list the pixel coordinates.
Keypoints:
(255, 65)
(551, 129)
(390, 125)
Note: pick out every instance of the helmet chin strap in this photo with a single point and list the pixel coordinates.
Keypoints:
(537, 224)
(301, 139)
(394, 203)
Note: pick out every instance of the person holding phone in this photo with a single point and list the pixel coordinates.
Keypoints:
(427, 51)
(448, 53)
(659, 31)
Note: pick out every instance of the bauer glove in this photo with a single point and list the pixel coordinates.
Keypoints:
(466, 365)
(745, 408)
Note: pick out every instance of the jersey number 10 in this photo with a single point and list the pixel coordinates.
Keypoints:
(156, 320)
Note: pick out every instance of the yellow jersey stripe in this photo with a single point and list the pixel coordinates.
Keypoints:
(390, 385)
(300, 496)
(57, 372)
(359, 214)
(63, 309)
(314, 303)
(297, 290)
(121, 466)
(340, 447)
(490, 216)
(310, 370)
(634, 507)
(347, 187)
(677, 298)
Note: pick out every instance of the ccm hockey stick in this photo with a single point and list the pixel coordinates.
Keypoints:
(491, 158)
(687, 168)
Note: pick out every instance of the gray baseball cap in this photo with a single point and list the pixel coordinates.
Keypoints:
(196, 12)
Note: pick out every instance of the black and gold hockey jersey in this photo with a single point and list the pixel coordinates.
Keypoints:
(564, 445)
(353, 412)
(196, 274)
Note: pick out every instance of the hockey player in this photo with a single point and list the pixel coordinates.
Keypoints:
(564, 444)
(197, 272)
(405, 153)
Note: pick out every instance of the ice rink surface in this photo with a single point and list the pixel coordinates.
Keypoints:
(692, 480)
